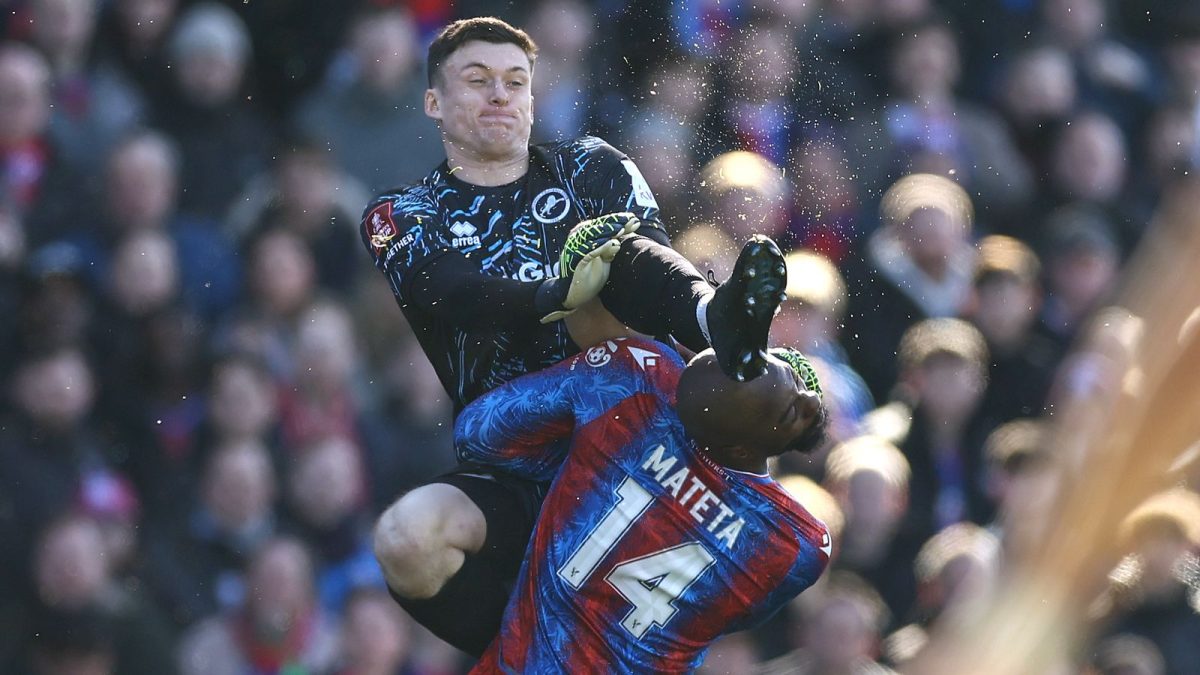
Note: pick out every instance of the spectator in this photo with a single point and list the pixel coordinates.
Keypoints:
(305, 191)
(196, 565)
(1020, 481)
(1153, 597)
(327, 496)
(364, 119)
(745, 193)
(132, 38)
(1113, 76)
(954, 568)
(869, 477)
(141, 194)
(281, 279)
(668, 136)
(222, 137)
(943, 365)
(1089, 164)
(34, 176)
(377, 637)
(924, 126)
(1082, 260)
(94, 104)
(278, 628)
(566, 32)
(916, 266)
(74, 583)
(810, 320)
(826, 211)
(1004, 304)
(838, 630)
(48, 447)
(1037, 95)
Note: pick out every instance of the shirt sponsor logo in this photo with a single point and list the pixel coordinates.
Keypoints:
(380, 227)
(535, 271)
(551, 205)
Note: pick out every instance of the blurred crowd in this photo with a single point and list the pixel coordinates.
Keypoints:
(208, 392)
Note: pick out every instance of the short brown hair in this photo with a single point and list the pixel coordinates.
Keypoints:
(480, 28)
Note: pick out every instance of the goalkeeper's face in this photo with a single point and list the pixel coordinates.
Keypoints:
(481, 98)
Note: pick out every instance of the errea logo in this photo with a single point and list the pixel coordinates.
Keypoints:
(463, 231)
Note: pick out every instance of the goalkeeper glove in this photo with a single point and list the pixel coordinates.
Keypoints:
(584, 263)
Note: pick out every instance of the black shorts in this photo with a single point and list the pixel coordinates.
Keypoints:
(510, 505)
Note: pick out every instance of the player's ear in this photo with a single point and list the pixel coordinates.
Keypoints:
(433, 106)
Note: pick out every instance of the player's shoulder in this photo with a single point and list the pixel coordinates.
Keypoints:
(413, 199)
(580, 148)
(634, 353)
(809, 529)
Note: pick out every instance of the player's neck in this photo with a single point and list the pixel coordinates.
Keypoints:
(486, 171)
(730, 458)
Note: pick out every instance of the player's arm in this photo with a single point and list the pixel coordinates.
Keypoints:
(523, 426)
(609, 182)
(425, 271)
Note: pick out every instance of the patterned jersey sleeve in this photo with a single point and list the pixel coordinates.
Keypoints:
(520, 426)
(401, 234)
(605, 180)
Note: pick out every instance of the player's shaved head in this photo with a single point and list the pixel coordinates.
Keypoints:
(704, 402)
(748, 420)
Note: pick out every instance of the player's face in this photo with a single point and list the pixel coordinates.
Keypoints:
(778, 409)
(482, 100)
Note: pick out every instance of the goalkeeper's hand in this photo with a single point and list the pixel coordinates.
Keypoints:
(584, 263)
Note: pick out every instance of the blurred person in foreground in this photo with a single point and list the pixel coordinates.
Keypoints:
(470, 253)
(662, 528)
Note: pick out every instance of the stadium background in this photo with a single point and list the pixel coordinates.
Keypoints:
(208, 391)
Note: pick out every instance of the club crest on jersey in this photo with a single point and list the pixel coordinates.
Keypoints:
(551, 205)
(380, 227)
(597, 356)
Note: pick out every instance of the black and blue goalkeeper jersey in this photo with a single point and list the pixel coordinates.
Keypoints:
(477, 332)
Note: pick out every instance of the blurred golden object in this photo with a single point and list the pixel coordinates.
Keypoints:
(1133, 433)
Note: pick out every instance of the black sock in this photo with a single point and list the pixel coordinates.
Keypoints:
(653, 289)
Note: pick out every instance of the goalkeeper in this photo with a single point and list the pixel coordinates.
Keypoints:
(484, 255)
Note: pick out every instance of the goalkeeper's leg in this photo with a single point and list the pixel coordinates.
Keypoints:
(653, 289)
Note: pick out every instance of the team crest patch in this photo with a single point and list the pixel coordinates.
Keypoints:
(380, 227)
(551, 205)
(597, 356)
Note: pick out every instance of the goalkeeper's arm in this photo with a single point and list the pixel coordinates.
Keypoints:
(452, 288)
